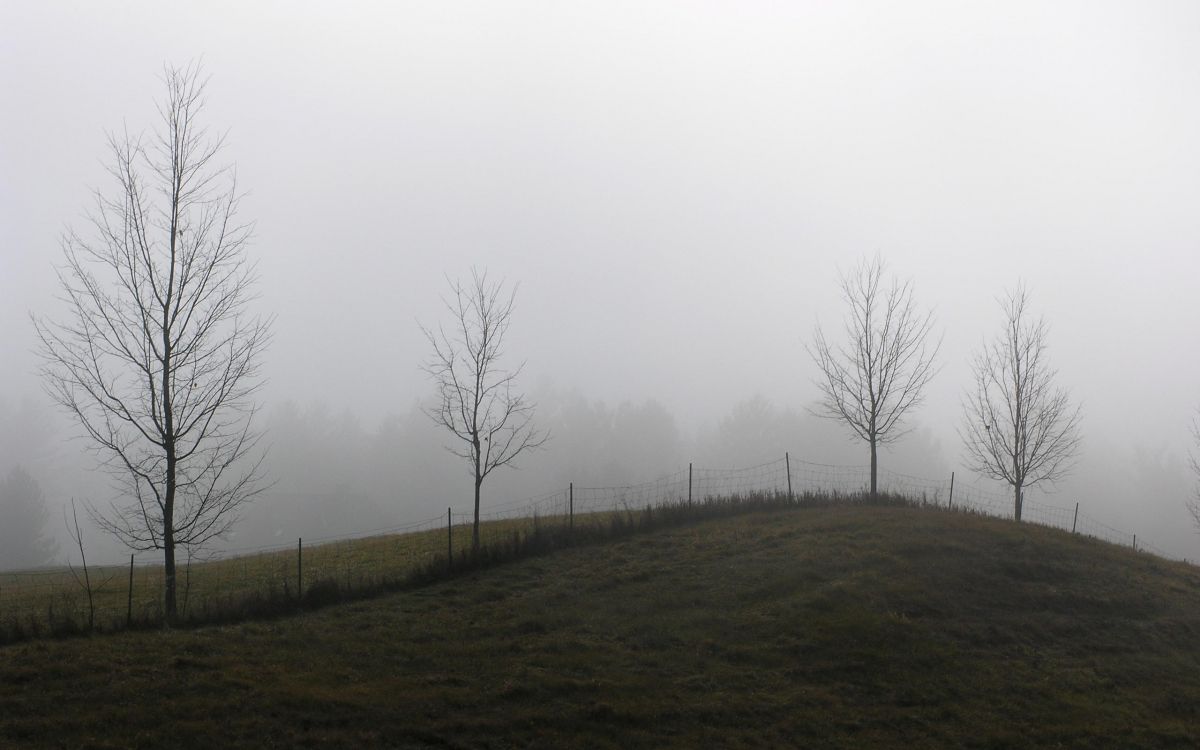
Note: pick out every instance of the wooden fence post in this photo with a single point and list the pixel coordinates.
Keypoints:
(299, 567)
(1075, 520)
(951, 503)
(787, 460)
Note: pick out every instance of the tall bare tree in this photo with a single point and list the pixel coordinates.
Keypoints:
(1018, 426)
(477, 402)
(871, 380)
(157, 354)
(1193, 503)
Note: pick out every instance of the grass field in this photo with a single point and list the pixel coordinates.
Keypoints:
(272, 581)
(844, 626)
(44, 602)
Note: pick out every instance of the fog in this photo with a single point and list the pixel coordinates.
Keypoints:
(674, 189)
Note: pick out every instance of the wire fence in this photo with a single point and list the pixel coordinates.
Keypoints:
(235, 583)
(1000, 504)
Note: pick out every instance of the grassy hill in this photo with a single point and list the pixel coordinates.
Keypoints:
(845, 626)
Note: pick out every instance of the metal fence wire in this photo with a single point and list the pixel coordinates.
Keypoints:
(212, 586)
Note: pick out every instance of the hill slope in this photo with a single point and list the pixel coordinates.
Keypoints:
(833, 627)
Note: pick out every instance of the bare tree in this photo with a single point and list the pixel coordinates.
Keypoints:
(1193, 504)
(476, 401)
(879, 373)
(157, 356)
(1018, 427)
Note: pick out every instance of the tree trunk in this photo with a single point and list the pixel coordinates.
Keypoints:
(475, 531)
(169, 582)
(874, 467)
(1017, 502)
(169, 530)
(168, 414)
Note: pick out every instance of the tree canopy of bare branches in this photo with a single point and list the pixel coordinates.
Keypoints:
(157, 355)
(1018, 426)
(871, 380)
(477, 402)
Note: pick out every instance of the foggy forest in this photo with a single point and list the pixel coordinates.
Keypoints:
(650, 341)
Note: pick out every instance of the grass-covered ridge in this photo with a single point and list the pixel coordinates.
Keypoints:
(285, 580)
(841, 626)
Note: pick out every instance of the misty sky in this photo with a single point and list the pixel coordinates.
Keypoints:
(674, 185)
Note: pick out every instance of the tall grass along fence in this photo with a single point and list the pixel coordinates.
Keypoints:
(309, 572)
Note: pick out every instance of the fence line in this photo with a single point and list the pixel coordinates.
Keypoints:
(211, 583)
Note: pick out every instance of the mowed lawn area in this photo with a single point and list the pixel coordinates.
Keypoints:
(854, 627)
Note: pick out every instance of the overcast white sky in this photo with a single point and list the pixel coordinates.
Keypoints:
(674, 185)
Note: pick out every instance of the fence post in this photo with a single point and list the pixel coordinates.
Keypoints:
(951, 503)
(1075, 520)
(449, 539)
(299, 567)
(787, 460)
(689, 483)
(571, 505)
(129, 606)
